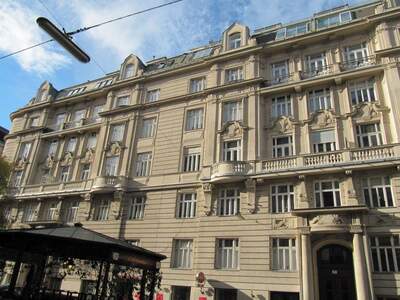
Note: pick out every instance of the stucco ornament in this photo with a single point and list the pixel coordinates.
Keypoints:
(89, 154)
(20, 163)
(367, 111)
(323, 118)
(280, 224)
(67, 159)
(232, 129)
(330, 219)
(49, 161)
(207, 191)
(115, 148)
(283, 124)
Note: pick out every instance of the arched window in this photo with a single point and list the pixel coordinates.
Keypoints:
(234, 40)
(128, 71)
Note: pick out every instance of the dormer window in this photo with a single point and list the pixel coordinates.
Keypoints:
(128, 71)
(234, 40)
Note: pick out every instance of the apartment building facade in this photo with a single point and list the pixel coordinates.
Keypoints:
(268, 161)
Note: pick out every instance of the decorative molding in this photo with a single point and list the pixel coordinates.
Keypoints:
(207, 192)
(232, 129)
(282, 124)
(251, 185)
(67, 159)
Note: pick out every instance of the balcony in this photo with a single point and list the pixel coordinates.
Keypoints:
(110, 183)
(49, 187)
(279, 80)
(356, 157)
(230, 171)
(322, 71)
(74, 124)
(358, 63)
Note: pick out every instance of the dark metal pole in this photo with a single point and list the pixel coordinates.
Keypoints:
(99, 280)
(105, 281)
(143, 285)
(15, 273)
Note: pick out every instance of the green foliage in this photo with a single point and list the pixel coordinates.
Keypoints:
(5, 169)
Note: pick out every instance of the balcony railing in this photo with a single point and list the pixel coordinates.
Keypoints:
(358, 63)
(279, 80)
(48, 187)
(324, 70)
(74, 124)
(323, 160)
(229, 169)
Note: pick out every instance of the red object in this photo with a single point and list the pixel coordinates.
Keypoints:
(202, 298)
(159, 296)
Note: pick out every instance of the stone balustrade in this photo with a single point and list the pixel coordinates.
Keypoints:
(222, 170)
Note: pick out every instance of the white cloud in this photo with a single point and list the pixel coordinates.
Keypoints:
(18, 30)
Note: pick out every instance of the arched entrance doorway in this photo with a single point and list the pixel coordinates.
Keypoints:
(335, 273)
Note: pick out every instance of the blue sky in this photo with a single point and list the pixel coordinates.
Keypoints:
(165, 32)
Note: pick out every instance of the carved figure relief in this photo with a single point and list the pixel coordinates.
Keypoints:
(323, 118)
(232, 129)
(283, 124)
(207, 192)
(48, 163)
(280, 224)
(331, 219)
(20, 163)
(115, 148)
(88, 156)
(67, 159)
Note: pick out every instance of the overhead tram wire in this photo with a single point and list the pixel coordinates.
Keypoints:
(92, 26)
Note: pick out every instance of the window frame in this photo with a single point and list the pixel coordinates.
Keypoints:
(143, 166)
(280, 254)
(152, 96)
(111, 170)
(234, 40)
(362, 91)
(281, 105)
(334, 189)
(232, 263)
(232, 152)
(232, 111)
(122, 101)
(186, 207)
(136, 207)
(384, 189)
(391, 253)
(323, 147)
(281, 148)
(197, 84)
(228, 205)
(191, 160)
(377, 134)
(234, 74)
(148, 127)
(319, 99)
(65, 173)
(101, 210)
(85, 172)
(197, 122)
(282, 202)
(182, 260)
(117, 136)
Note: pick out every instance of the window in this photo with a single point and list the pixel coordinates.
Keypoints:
(194, 119)
(369, 135)
(315, 63)
(232, 111)
(319, 100)
(92, 140)
(71, 145)
(229, 202)
(284, 254)
(377, 191)
(281, 106)
(282, 146)
(362, 91)
(64, 174)
(7, 214)
(152, 96)
(191, 159)
(34, 122)
(76, 91)
(70, 212)
(292, 30)
(385, 251)
(17, 178)
(182, 254)
(327, 193)
(356, 55)
(24, 151)
(234, 40)
(323, 141)
(79, 115)
(103, 83)
(101, 210)
(227, 254)
(225, 294)
(202, 53)
(197, 84)
(52, 148)
(180, 292)
(60, 119)
(49, 211)
(28, 214)
(128, 72)
(143, 163)
(117, 133)
(122, 101)
(186, 206)
(96, 111)
(85, 172)
(280, 71)
(334, 20)
(136, 208)
(232, 151)
(282, 197)
(234, 74)
(148, 128)
(284, 296)
(111, 166)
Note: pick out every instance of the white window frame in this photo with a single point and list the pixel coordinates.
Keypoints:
(34, 122)
(121, 101)
(323, 147)
(28, 212)
(194, 119)
(191, 159)
(92, 140)
(25, 150)
(148, 127)
(64, 173)
(383, 255)
(71, 144)
(280, 71)
(52, 149)
(49, 211)
(232, 153)
(284, 257)
(111, 164)
(281, 106)
(18, 175)
(143, 164)
(319, 193)
(316, 63)
(227, 256)
(136, 208)
(101, 210)
(334, 20)
(78, 115)
(362, 91)
(128, 71)
(234, 74)
(356, 55)
(152, 96)
(282, 200)
(60, 120)
(319, 99)
(182, 254)
(197, 84)
(186, 208)
(96, 111)
(232, 111)
(372, 138)
(378, 194)
(85, 172)
(228, 205)
(70, 212)
(282, 150)
(117, 132)
(234, 40)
